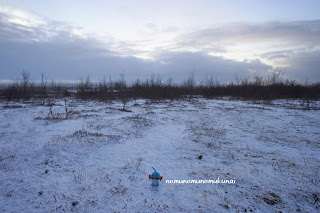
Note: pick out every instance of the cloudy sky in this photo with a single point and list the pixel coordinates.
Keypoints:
(69, 39)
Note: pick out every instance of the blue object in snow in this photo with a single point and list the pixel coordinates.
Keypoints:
(155, 176)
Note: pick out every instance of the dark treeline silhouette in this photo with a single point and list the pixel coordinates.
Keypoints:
(269, 88)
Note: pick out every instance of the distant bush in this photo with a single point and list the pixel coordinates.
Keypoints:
(157, 89)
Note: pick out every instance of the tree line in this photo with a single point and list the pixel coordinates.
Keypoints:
(272, 87)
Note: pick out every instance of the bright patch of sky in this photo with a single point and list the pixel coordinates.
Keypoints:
(270, 31)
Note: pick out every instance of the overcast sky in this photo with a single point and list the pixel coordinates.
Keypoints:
(69, 39)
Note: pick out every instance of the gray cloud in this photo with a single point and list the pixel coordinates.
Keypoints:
(295, 31)
(301, 63)
(181, 64)
(275, 55)
(52, 48)
(297, 43)
(304, 66)
(73, 60)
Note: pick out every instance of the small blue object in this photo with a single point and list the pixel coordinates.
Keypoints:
(155, 176)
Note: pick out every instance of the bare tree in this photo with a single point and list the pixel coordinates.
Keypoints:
(152, 80)
(158, 81)
(43, 88)
(170, 82)
(122, 89)
(25, 84)
(276, 77)
(104, 84)
(210, 81)
(111, 84)
(190, 83)
(88, 84)
(257, 81)
(85, 87)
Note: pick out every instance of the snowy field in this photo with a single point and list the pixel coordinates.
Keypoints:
(98, 158)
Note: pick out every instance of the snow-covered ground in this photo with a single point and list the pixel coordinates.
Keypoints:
(99, 158)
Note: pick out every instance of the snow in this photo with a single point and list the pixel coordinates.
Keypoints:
(99, 158)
